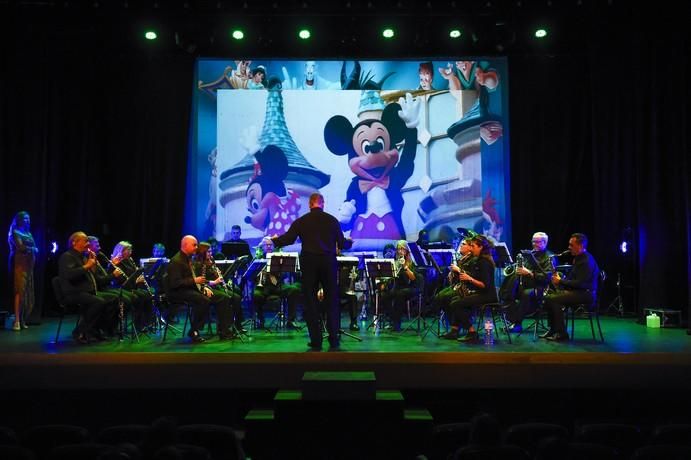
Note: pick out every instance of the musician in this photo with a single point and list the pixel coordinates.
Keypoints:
(234, 234)
(206, 264)
(533, 280)
(321, 236)
(142, 296)
(464, 262)
(78, 280)
(108, 278)
(480, 282)
(216, 248)
(270, 286)
(578, 287)
(404, 285)
(185, 285)
(158, 251)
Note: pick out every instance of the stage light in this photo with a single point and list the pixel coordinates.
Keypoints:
(541, 33)
(53, 247)
(387, 33)
(304, 34)
(455, 33)
(238, 34)
(150, 35)
(624, 247)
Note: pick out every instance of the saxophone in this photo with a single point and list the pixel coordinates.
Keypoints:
(459, 286)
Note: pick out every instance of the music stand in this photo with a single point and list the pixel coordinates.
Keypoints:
(344, 263)
(377, 269)
(502, 256)
(416, 253)
(279, 263)
(235, 249)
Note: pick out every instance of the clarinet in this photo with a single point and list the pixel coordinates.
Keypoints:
(121, 304)
(220, 275)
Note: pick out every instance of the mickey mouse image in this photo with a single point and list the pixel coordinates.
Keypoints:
(273, 208)
(373, 205)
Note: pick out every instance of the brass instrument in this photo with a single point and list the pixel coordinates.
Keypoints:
(353, 276)
(458, 285)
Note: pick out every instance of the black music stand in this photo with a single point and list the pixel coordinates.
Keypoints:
(235, 249)
(341, 266)
(278, 264)
(378, 269)
(416, 253)
(502, 256)
(441, 317)
(247, 281)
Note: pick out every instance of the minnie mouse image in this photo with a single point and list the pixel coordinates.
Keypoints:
(373, 204)
(273, 208)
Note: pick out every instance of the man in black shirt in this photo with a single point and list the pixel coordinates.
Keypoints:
(532, 280)
(579, 287)
(79, 282)
(320, 235)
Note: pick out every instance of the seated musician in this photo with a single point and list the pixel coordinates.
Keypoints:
(579, 287)
(272, 287)
(530, 281)
(78, 280)
(404, 285)
(217, 248)
(109, 276)
(185, 285)
(478, 287)
(158, 251)
(205, 263)
(465, 261)
(140, 290)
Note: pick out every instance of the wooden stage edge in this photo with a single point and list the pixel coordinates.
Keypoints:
(441, 370)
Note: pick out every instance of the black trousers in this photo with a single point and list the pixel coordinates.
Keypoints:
(393, 301)
(320, 270)
(555, 303)
(198, 302)
(527, 303)
(461, 308)
(93, 308)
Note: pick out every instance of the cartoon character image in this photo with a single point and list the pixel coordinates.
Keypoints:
(273, 208)
(311, 79)
(426, 75)
(258, 78)
(373, 204)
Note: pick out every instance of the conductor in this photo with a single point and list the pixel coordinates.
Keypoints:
(320, 235)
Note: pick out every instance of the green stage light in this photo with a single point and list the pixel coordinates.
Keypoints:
(150, 35)
(541, 33)
(455, 33)
(387, 33)
(238, 34)
(304, 34)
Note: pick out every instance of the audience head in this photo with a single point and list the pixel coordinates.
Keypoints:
(484, 430)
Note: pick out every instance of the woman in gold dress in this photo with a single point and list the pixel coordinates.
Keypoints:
(23, 252)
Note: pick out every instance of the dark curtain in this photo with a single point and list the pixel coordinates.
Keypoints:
(94, 137)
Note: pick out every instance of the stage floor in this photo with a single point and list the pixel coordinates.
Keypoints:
(632, 356)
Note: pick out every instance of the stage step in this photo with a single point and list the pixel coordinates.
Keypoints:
(339, 386)
(337, 407)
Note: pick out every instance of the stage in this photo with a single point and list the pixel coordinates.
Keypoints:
(632, 356)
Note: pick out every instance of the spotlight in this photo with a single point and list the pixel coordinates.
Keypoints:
(455, 33)
(304, 34)
(238, 34)
(624, 247)
(541, 33)
(388, 33)
(150, 35)
(53, 247)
